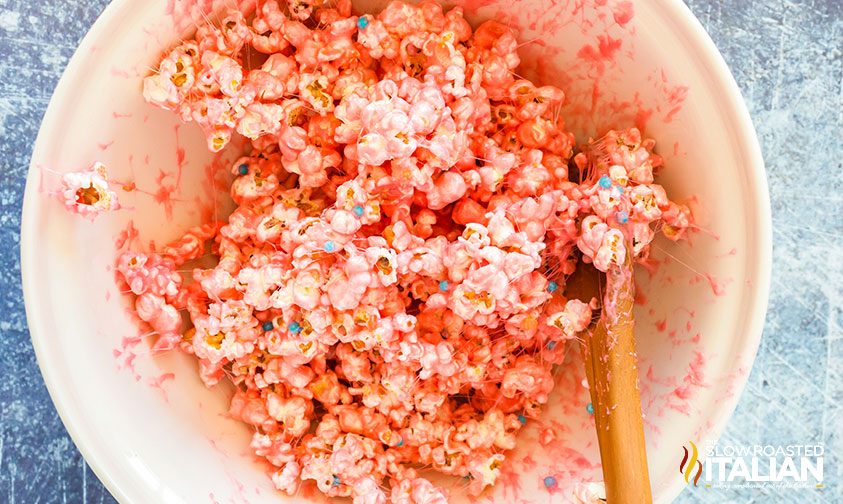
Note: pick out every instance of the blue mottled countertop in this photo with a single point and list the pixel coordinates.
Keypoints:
(786, 57)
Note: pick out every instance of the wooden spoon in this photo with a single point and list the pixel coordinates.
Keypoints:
(608, 349)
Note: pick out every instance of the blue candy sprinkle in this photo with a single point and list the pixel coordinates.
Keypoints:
(605, 182)
(549, 481)
(400, 443)
(267, 326)
(552, 286)
(358, 210)
(443, 285)
(362, 22)
(243, 169)
(622, 217)
(294, 327)
(551, 345)
(336, 481)
(590, 408)
(620, 189)
(329, 246)
(522, 419)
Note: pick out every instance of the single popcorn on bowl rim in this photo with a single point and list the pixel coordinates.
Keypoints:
(88, 192)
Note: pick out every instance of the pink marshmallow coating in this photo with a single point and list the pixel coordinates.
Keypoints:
(388, 292)
(88, 192)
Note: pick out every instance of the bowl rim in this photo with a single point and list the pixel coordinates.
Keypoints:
(72, 416)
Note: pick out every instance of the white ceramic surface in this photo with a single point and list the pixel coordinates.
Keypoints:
(153, 433)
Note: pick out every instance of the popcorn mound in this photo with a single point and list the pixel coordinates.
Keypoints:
(389, 291)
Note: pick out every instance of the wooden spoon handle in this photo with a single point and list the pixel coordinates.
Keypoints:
(612, 371)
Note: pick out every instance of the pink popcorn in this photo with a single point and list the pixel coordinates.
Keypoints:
(371, 149)
(344, 291)
(417, 491)
(600, 244)
(260, 119)
(250, 409)
(447, 188)
(269, 17)
(472, 305)
(277, 451)
(175, 79)
(216, 283)
(573, 319)
(314, 89)
(258, 284)
(646, 203)
(285, 371)
(192, 244)
(162, 317)
(88, 193)
(437, 359)
(385, 293)
(293, 413)
(230, 315)
(149, 273)
(367, 491)
(484, 469)
(612, 250)
(383, 261)
(287, 479)
(305, 290)
(220, 347)
(528, 377)
(378, 41)
(312, 164)
(292, 140)
(677, 220)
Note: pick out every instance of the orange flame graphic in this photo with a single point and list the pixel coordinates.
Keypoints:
(686, 467)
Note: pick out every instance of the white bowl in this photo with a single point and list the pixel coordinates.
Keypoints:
(153, 433)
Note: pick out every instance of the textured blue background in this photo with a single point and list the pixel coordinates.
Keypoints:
(786, 57)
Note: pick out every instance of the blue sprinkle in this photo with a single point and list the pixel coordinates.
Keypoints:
(243, 169)
(358, 210)
(329, 246)
(552, 286)
(622, 217)
(620, 189)
(605, 182)
(549, 481)
(551, 345)
(400, 443)
(443, 285)
(362, 22)
(267, 326)
(522, 419)
(336, 481)
(294, 327)
(590, 408)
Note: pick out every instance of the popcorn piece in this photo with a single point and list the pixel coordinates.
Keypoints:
(88, 193)
(573, 319)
